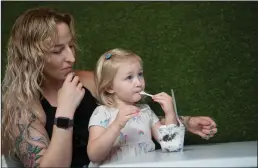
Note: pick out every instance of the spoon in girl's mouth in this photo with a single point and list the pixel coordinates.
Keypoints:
(144, 93)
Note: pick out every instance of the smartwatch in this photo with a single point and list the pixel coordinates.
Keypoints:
(63, 122)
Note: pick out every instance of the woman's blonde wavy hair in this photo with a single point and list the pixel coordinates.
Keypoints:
(33, 35)
(106, 70)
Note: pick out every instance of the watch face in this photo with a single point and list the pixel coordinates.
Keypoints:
(62, 122)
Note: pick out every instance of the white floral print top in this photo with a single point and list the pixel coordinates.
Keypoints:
(135, 138)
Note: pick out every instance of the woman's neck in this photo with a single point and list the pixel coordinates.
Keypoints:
(50, 90)
(51, 85)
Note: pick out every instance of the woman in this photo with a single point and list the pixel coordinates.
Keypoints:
(46, 105)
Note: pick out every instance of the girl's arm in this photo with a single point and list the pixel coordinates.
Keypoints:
(101, 136)
(169, 135)
(168, 120)
(101, 141)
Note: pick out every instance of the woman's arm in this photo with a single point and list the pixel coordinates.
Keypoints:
(183, 119)
(32, 142)
(35, 150)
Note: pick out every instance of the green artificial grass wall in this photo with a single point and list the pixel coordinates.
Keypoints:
(205, 51)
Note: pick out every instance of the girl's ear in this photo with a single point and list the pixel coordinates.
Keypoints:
(110, 90)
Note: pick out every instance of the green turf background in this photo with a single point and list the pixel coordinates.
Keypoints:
(205, 51)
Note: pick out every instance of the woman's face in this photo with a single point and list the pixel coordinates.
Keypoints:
(62, 56)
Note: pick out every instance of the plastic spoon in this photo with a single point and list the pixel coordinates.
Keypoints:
(144, 93)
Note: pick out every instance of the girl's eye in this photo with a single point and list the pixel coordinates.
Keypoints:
(130, 77)
(140, 74)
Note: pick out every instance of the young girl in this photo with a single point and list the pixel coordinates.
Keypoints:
(120, 127)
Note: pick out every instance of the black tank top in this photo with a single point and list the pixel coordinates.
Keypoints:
(80, 129)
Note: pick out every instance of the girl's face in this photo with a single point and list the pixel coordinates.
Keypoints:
(62, 56)
(128, 82)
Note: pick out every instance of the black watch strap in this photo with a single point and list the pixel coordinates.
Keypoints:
(63, 122)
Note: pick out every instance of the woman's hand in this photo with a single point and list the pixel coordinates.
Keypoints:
(70, 95)
(201, 125)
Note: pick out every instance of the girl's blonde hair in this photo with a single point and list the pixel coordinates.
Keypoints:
(33, 35)
(106, 70)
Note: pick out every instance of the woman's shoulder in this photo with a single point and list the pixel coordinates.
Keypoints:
(87, 79)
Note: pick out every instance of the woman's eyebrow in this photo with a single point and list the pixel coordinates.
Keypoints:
(61, 45)
(58, 45)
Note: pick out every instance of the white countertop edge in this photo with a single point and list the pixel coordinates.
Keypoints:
(213, 162)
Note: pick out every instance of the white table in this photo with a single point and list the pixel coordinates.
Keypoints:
(234, 154)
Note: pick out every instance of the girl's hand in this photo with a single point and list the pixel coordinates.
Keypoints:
(125, 114)
(165, 102)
